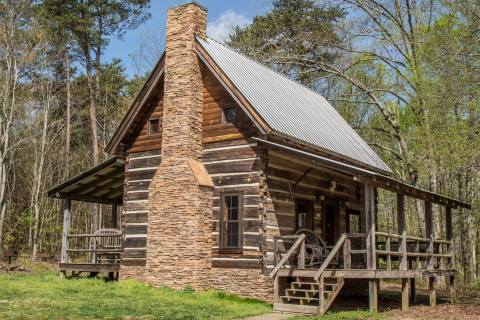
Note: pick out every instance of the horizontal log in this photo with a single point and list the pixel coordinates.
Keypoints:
(135, 217)
(136, 229)
(138, 262)
(130, 242)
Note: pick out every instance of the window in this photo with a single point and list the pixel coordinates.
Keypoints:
(304, 214)
(231, 221)
(154, 127)
(353, 221)
(229, 115)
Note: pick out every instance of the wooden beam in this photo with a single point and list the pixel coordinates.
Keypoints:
(302, 176)
(405, 293)
(370, 226)
(373, 295)
(431, 291)
(413, 291)
(448, 222)
(452, 287)
(401, 213)
(428, 220)
(67, 203)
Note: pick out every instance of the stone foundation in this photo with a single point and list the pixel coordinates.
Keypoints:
(249, 283)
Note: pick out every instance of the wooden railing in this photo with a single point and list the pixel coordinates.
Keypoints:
(423, 252)
(344, 243)
(299, 244)
(93, 248)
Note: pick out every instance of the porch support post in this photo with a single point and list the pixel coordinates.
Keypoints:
(449, 231)
(432, 292)
(413, 292)
(370, 244)
(114, 214)
(429, 233)
(66, 229)
(402, 230)
(405, 297)
(452, 287)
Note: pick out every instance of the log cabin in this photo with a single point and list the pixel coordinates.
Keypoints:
(228, 175)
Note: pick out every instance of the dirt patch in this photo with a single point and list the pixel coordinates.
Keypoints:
(466, 308)
(13, 268)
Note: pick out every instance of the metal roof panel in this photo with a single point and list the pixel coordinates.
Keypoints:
(291, 108)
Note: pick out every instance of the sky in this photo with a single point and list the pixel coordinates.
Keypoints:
(147, 40)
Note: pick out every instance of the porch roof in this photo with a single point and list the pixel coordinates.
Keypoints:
(367, 176)
(100, 184)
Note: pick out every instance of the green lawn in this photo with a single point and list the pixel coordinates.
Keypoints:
(45, 295)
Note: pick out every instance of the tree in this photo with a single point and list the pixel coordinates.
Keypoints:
(91, 24)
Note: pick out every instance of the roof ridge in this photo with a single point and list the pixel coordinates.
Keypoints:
(263, 65)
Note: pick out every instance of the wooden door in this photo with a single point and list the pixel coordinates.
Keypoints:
(304, 214)
(331, 222)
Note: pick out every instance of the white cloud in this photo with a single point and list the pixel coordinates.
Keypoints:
(222, 26)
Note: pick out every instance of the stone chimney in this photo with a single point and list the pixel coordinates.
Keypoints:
(180, 202)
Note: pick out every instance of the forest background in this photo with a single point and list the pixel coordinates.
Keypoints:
(404, 73)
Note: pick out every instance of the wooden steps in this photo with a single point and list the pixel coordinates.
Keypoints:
(303, 296)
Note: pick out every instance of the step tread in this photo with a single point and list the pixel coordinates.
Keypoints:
(298, 298)
(306, 290)
(295, 308)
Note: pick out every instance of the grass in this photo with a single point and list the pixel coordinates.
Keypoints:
(45, 295)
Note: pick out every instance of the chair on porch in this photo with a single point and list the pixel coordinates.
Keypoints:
(316, 249)
(107, 244)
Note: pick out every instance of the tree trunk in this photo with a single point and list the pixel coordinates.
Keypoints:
(68, 115)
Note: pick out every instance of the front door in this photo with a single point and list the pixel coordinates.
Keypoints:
(330, 225)
(304, 212)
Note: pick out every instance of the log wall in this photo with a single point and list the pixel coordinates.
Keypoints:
(280, 215)
(140, 168)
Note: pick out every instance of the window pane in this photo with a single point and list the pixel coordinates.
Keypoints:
(233, 214)
(229, 115)
(231, 222)
(234, 203)
(154, 126)
(232, 235)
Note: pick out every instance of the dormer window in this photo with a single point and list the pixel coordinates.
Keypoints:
(154, 127)
(229, 115)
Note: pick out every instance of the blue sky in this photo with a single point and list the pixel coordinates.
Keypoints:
(146, 41)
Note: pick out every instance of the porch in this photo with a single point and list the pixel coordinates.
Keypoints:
(98, 251)
(362, 254)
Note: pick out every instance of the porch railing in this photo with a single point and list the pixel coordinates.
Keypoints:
(94, 248)
(429, 254)
(391, 252)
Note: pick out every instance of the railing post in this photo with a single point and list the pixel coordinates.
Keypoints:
(321, 296)
(301, 255)
(66, 229)
(347, 255)
(275, 251)
(429, 230)
(403, 249)
(389, 257)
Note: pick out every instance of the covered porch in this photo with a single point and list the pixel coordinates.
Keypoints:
(100, 250)
(309, 274)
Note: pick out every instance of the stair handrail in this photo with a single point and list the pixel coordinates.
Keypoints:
(330, 256)
(293, 248)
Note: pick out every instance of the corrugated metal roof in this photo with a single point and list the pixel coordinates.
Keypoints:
(290, 108)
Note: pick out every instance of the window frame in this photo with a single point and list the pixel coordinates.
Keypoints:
(222, 234)
(224, 117)
(150, 133)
